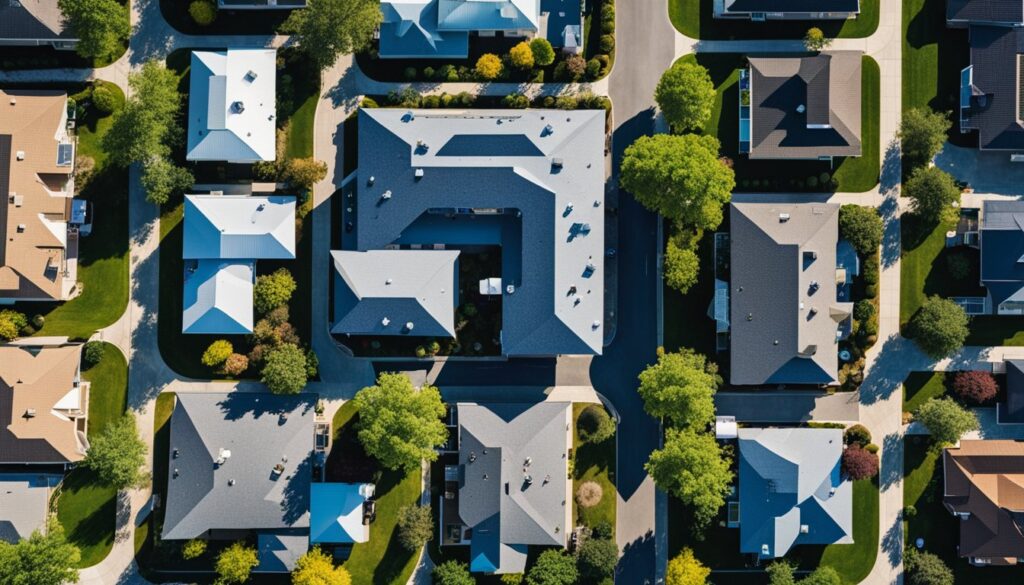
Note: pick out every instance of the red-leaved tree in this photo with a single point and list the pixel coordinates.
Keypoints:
(976, 386)
(859, 463)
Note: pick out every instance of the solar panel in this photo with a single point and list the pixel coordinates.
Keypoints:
(65, 155)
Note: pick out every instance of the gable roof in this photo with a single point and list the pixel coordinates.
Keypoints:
(231, 105)
(784, 312)
(985, 11)
(239, 227)
(557, 211)
(32, 20)
(218, 298)
(986, 480)
(505, 509)
(488, 15)
(402, 286)
(41, 376)
(260, 430)
(33, 230)
(409, 29)
(827, 85)
(995, 101)
(790, 479)
(336, 512)
(1002, 249)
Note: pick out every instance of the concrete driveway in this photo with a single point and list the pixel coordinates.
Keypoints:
(985, 172)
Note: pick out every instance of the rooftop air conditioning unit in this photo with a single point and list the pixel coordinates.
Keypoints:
(783, 217)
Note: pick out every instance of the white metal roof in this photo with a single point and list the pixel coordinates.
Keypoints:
(239, 227)
(218, 298)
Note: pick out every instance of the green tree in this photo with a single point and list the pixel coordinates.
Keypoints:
(596, 559)
(273, 290)
(217, 353)
(11, 324)
(682, 266)
(235, 563)
(815, 40)
(679, 387)
(946, 420)
(415, 526)
(862, 227)
(939, 327)
(453, 573)
(146, 126)
(679, 177)
(303, 173)
(92, 353)
(822, 576)
(118, 454)
(105, 100)
(488, 66)
(932, 192)
(686, 569)
(553, 567)
(594, 425)
(193, 549)
(100, 25)
(285, 370)
(163, 179)
(686, 96)
(40, 559)
(925, 568)
(521, 56)
(328, 28)
(543, 54)
(316, 568)
(692, 467)
(203, 12)
(922, 134)
(398, 424)
(780, 573)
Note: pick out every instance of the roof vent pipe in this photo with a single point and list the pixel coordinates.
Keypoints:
(385, 321)
(801, 109)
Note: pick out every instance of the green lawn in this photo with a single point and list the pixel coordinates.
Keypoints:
(933, 56)
(144, 544)
(686, 316)
(103, 256)
(924, 266)
(303, 93)
(919, 387)
(694, 18)
(854, 561)
(851, 174)
(593, 462)
(85, 508)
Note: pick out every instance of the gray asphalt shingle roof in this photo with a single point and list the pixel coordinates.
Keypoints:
(827, 86)
(32, 20)
(784, 312)
(993, 111)
(243, 493)
(1002, 248)
(985, 11)
(557, 306)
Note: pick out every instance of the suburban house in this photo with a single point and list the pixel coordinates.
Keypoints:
(792, 491)
(26, 499)
(43, 402)
(224, 236)
(34, 23)
(1001, 239)
(1012, 411)
(789, 300)
(231, 106)
(982, 487)
(438, 29)
(801, 107)
(260, 4)
(39, 219)
(420, 208)
(508, 488)
(990, 94)
(761, 10)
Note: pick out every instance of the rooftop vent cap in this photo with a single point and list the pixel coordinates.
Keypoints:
(801, 109)
(238, 107)
(764, 550)
(388, 281)
(14, 100)
(231, 482)
(371, 180)
(596, 324)
(250, 76)
(21, 155)
(385, 321)
(21, 228)
(510, 288)
(409, 326)
(804, 529)
(419, 173)
(30, 413)
(386, 195)
(783, 217)
(557, 162)
(222, 456)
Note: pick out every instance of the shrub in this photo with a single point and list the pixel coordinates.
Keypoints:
(958, 265)
(976, 386)
(521, 56)
(543, 54)
(415, 527)
(871, 448)
(104, 99)
(235, 365)
(864, 310)
(857, 435)
(871, 290)
(608, 11)
(594, 425)
(428, 72)
(203, 12)
(861, 226)
(871, 270)
(11, 323)
(511, 578)
(602, 529)
(369, 103)
(596, 559)
(815, 40)
(453, 573)
(607, 26)
(925, 568)
(285, 369)
(273, 290)
(217, 353)
(859, 463)
(589, 494)
(421, 351)
(235, 563)
(939, 327)
(812, 182)
(553, 567)
(431, 101)
(946, 420)
(409, 73)
(575, 65)
(489, 66)
(593, 69)
(92, 353)
(566, 102)
(193, 549)
(607, 43)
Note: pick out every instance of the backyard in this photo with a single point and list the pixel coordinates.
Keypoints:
(593, 462)
(694, 18)
(849, 174)
(931, 69)
(85, 508)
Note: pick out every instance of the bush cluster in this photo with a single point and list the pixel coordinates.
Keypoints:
(975, 386)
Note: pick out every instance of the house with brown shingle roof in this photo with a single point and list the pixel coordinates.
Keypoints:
(43, 402)
(38, 246)
(984, 487)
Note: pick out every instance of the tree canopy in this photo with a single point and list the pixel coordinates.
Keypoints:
(118, 454)
(415, 526)
(596, 559)
(101, 26)
(680, 177)
(946, 420)
(679, 387)
(453, 573)
(977, 386)
(217, 353)
(489, 66)
(685, 95)
(922, 134)
(925, 568)
(862, 227)
(594, 425)
(326, 29)
(11, 324)
(859, 463)
(521, 56)
(146, 126)
(273, 290)
(939, 327)
(553, 567)
(543, 54)
(162, 179)
(692, 467)
(686, 569)
(815, 40)
(398, 424)
(682, 266)
(235, 563)
(932, 192)
(317, 568)
(285, 370)
(40, 559)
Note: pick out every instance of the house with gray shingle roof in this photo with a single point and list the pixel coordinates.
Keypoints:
(1001, 239)
(760, 10)
(963, 13)
(34, 23)
(785, 311)
(792, 491)
(802, 107)
(513, 490)
(529, 181)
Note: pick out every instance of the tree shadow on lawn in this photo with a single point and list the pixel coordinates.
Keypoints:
(96, 529)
